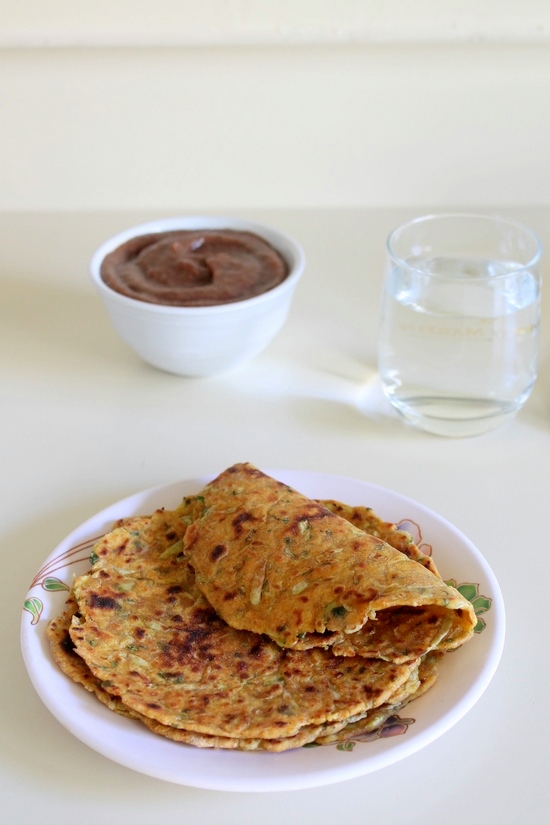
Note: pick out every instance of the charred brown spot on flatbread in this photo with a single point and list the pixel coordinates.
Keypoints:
(103, 602)
(218, 551)
(240, 520)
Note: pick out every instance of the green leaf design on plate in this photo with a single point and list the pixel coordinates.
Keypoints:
(480, 626)
(52, 583)
(346, 746)
(481, 604)
(469, 591)
(34, 606)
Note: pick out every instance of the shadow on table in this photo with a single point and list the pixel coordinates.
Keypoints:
(322, 381)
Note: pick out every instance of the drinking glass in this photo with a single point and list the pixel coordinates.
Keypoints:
(460, 321)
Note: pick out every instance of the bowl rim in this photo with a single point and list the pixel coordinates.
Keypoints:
(280, 240)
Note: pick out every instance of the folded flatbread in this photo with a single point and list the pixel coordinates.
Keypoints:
(272, 561)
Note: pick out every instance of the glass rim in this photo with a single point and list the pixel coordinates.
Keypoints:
(493, 219)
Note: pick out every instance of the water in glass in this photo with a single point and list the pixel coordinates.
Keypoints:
(458, 341)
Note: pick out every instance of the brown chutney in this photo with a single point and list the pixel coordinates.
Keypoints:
(198, 267)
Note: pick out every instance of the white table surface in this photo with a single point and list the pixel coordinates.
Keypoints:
(85, 423)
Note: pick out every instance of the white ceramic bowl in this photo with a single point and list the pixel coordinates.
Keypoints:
(200, 341)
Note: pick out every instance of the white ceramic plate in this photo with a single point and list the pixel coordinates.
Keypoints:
(464, 674)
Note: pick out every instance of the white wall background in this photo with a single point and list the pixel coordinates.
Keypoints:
(179, 105)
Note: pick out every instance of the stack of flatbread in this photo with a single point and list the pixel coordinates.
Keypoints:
(252, 617)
